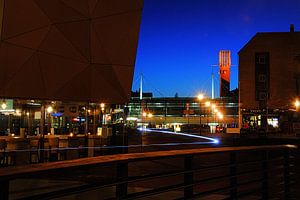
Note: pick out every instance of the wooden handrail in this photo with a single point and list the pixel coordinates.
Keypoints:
(21, 171)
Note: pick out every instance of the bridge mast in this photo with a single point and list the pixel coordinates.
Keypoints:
(141, 87)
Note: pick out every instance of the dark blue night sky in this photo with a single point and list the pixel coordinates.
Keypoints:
(180, 40)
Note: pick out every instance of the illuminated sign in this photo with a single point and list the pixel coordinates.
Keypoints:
(6, 105)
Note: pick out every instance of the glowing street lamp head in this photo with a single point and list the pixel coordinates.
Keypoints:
(102, 105)
(213, 106)
(144, 114)
(200, 97)
(49, 109)
(18, 112)
(3, 106)
(220, 115)
(207, 104)
(297, 103)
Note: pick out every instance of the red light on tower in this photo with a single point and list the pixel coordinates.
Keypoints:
(224, 66)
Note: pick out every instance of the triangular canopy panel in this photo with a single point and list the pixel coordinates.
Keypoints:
(74, 50)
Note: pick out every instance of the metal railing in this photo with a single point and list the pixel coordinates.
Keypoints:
(258, 172)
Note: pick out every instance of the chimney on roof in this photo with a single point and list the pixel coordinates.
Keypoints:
(292, 28)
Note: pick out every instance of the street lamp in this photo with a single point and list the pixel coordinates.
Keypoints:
(146, 115)
(144, 120)
(215, 111)
(220, 117)
(28, 123)
(150, 115)
(207, 104)
(18, 112)
(102, 106)
(3, 105)
(200, 97)
(49, 111)
(297, 104)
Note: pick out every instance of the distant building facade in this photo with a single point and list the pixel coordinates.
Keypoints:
(169, 112)
(224, 71)
(269, 78)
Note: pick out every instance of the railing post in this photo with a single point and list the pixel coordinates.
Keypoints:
(287, 174)
(122, 174)
(188, 177)
(233, 179)
(265, 181)
(42, 134)
(4, 190)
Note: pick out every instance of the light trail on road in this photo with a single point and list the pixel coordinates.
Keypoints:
(213, 140)
(209, 141)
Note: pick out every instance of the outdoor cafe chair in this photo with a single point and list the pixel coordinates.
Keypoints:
(3, 157)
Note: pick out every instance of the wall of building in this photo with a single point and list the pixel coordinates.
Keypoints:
(281, 84)
(283, 49)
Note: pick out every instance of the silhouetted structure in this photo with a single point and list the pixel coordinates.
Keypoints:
(269, 77)
(71, 55)
(68, 50)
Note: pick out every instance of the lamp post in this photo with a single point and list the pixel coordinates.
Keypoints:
(213, 107)
(145, 115)
(207, 104)
(200, 98)
(215, 111)
(297, 105)
(28, 124)
(102, 106)
(150, 115)
(220, 117)
(49, 111)
(94, 117)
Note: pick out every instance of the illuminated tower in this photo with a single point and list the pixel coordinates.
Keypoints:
(224, 65)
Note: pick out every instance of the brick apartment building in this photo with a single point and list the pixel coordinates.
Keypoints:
(269, 79)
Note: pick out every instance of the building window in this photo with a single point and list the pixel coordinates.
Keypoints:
(261, 59)
(262, 78)
(262, 96)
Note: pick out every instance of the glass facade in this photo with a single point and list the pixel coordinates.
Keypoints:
(184, 110)
(23, 117)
